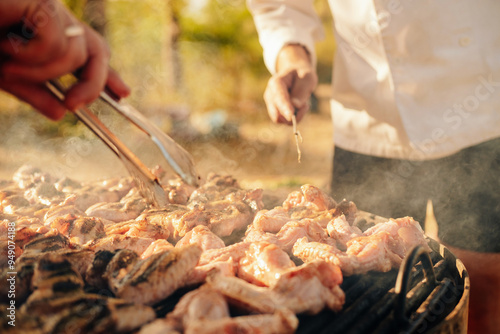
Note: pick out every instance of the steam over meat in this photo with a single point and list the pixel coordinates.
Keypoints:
(216, 241)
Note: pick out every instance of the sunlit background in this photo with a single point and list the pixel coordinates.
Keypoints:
(196, 70)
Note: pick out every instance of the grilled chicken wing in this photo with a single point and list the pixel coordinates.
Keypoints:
(283, 321)
(311, 197)
(271, 220)
(118, 211)
(79, 230)
(177, 219)
(340, 230)
(202, 236)
(119, 241)
(234, 252)
(405, 233)
(157, 246)
(311, 250)
(155, 278)
(137, 228)
(263, 264)
(300, 293)
(59, 303)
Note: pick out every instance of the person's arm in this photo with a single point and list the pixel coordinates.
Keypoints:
(287, 31)
(41, 40)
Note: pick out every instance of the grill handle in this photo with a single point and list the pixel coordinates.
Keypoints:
(418, 253)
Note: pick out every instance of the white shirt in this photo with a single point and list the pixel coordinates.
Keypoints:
(412, 79)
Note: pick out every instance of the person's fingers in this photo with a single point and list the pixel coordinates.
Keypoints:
(277, 95)
(69, 62)
(272, 111)
(39, 37)
(116, 85)
(302, 89)
(38, 96)
(301, 112)
(93, 76)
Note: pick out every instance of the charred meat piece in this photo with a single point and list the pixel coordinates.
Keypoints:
(134, 228)
(23, 283)
(119, 266)
(59, 303)
(92, 313)
(49, 242)
(119, 241)
(177, 219)
(158, 276)
(118, 211)
(26, 230)
(94, 275)
(54, 279)
(79, 230)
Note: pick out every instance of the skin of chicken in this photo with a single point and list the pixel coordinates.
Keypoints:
(263, 264)
(202, 236)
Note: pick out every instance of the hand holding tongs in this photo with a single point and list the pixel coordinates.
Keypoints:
(178, 158)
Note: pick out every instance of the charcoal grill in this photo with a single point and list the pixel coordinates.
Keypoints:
(428, 294)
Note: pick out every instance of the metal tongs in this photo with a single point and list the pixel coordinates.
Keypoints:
(179, 159)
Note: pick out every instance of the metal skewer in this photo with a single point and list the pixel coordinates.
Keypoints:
(298, 136)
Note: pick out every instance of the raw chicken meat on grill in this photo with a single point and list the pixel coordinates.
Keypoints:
(247, 268)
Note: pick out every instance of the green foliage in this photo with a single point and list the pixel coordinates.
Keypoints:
(221, 63)
(227, 44)
(76, 7)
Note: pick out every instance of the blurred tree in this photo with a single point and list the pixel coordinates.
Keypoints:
(174, 31)
(91, 11)
(225, 35)
(76, 6)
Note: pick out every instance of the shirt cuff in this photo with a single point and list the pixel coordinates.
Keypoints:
(273, 44)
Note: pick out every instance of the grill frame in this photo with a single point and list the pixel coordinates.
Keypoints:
(362, 320)
(327, 322)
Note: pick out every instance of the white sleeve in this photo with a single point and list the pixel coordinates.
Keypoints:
(281, 22)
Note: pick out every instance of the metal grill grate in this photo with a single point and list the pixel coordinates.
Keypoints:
(372, 305)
